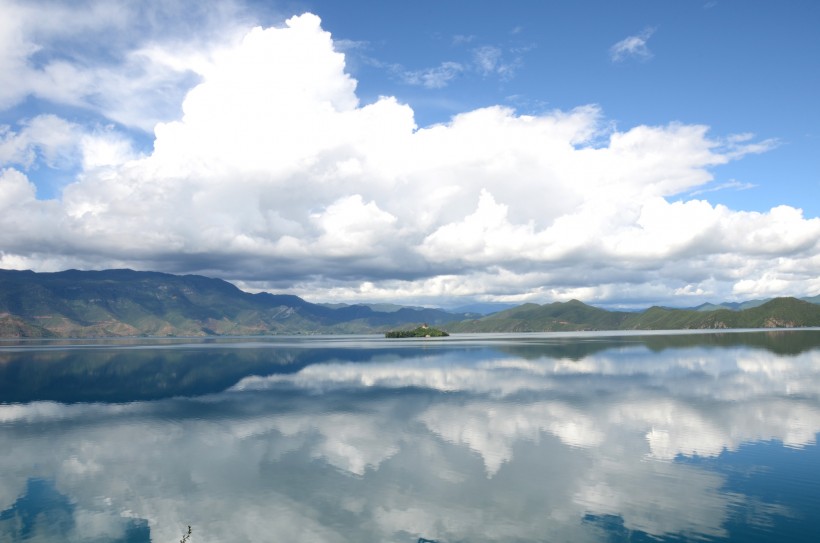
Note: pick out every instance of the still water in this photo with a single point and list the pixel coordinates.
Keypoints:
(473, 438)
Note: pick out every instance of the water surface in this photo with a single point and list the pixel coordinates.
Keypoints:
(540, 437)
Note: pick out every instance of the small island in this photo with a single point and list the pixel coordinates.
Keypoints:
(421, 331)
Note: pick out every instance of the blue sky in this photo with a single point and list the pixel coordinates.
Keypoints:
(624, 153)
(738, 67)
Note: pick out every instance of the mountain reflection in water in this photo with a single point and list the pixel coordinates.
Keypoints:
(574, 437)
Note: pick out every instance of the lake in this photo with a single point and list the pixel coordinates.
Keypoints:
(578, 437)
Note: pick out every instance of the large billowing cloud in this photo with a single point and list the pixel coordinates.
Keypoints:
(463, 448)
(277, 177)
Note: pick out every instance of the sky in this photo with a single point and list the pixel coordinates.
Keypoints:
(432, 153)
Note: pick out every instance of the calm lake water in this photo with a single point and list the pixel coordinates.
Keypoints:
(473, 438)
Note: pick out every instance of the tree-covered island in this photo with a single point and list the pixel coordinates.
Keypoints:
(421, 331)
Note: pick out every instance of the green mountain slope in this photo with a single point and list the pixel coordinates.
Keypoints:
(554, 317)
(735, 306)
(574, 315)
(776, 313)
(812, 299)
(129, 303)
(115, 303)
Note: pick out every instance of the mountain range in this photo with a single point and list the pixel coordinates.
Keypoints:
(117, 303)
(124, 303)
(575, 315)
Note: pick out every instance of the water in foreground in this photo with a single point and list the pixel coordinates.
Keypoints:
(557, 438)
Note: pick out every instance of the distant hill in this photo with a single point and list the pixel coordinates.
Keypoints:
(118, 303)
(575, 315)
(384, 308)
(482, 308)
(812, 299)
(732, 306)
(558, 316)
(748, 304)
(129, 303)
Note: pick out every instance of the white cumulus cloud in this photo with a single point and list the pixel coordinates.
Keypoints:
(273, 173)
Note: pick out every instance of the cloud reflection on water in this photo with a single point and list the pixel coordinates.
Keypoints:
(494, 447)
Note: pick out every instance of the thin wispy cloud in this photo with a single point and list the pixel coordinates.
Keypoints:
(461, 39)
(434, 78)
(346, 46)
(632, 47)
(732, 184)
(739, 145)
(486, 61)
(489, 60)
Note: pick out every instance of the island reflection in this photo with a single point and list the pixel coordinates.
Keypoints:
(124, 370)
(603, 438)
